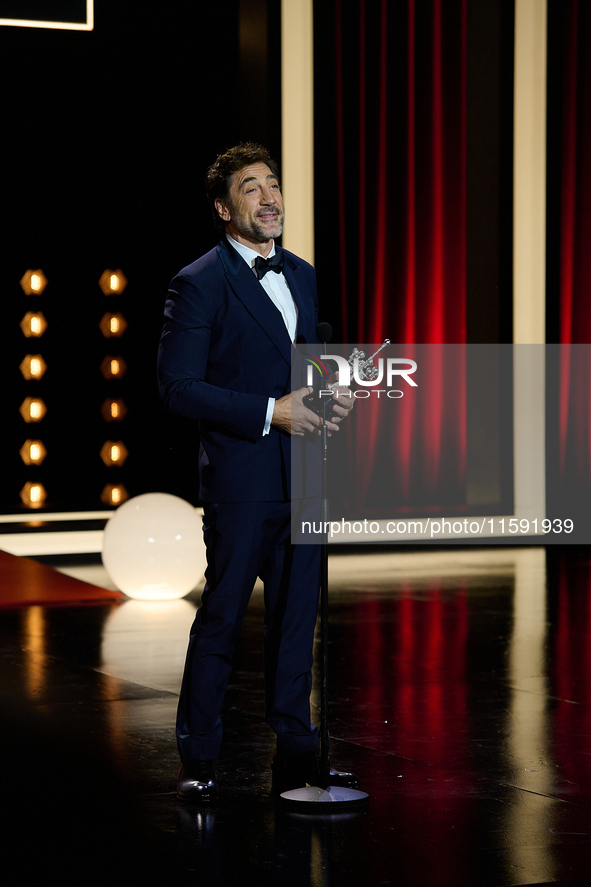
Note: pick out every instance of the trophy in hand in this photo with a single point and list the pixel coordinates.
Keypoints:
(360, 369)
(365, 370)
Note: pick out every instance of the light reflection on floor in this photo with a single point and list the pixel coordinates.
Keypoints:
(460, 692)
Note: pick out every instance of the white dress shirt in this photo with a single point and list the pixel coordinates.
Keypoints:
(275, 285)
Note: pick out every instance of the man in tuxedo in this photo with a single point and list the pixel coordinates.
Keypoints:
(232, 319)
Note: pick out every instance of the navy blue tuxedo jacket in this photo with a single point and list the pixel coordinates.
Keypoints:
(224, 351)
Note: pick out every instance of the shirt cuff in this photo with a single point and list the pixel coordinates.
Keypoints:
(269, 416)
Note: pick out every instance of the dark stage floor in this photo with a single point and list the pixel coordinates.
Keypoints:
(460, 687)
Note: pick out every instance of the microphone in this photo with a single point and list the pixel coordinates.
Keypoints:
(324, 332)
(313, 401)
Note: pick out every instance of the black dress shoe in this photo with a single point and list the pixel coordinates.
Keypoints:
(295, 771)
(343, 779)
(197, 782)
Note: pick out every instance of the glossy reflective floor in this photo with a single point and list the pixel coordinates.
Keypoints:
(460, 687)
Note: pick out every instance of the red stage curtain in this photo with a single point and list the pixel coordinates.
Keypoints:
(575, 173)
(399, 192)
(400, 86)
(569, 255)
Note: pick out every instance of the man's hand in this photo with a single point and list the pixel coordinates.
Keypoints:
(342, 399)
(290, 415)
(342, 403)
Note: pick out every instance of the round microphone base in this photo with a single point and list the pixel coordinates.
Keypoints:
(323, 801)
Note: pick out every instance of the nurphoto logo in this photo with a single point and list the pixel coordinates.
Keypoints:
(366, 373)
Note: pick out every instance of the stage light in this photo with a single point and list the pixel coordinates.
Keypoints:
(112, 325)
(33, 283)
(33, 366)
(33, 452)
(112, 283)
(114, 452)
(113, 367)
(32, 409)
(33, 324)
(33, 495)
(113, 410)
(114, 494)
(153, 547)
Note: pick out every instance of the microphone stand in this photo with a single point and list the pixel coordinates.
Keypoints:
(324, 798)
(324, 517)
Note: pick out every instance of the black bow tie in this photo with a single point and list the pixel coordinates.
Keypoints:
(275, 263)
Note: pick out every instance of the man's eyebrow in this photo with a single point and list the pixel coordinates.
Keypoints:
(256, 179)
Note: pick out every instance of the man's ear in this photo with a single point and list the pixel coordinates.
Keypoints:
(222, 210)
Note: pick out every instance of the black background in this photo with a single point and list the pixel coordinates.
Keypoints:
(72, 11)
(106, 138)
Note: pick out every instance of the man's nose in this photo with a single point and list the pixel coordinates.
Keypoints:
(268, 196)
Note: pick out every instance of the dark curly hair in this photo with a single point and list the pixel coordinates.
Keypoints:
(219, 174)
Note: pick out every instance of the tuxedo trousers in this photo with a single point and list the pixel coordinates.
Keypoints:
(246, 540)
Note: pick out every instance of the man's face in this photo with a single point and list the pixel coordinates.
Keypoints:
(254, 210)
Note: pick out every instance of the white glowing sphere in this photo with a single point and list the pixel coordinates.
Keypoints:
(153, 547)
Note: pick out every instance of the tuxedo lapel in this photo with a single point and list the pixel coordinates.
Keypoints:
(299, 282)
(247, 288)
(303, 298)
